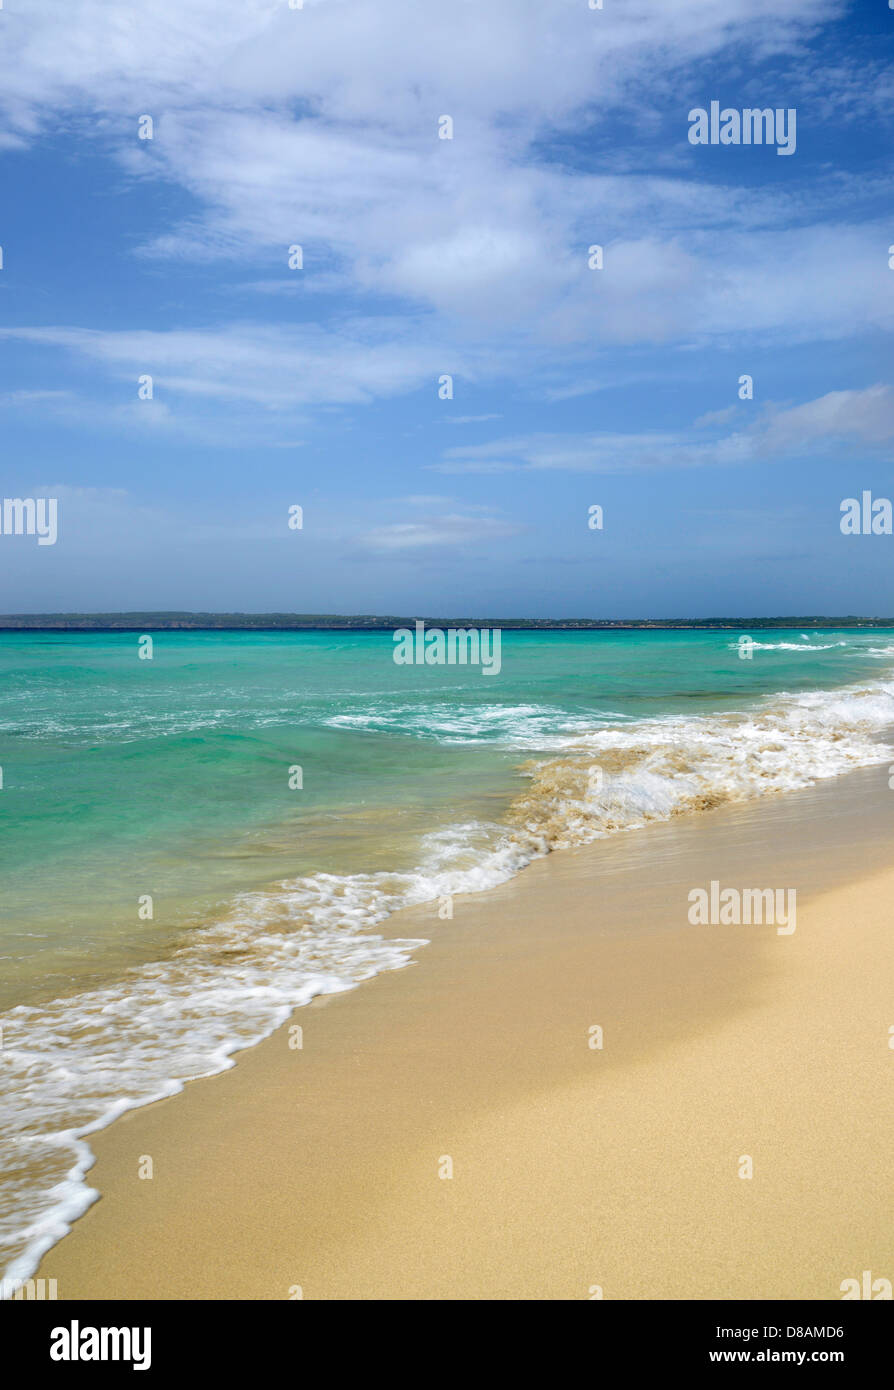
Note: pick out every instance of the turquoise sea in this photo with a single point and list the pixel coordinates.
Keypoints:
(172, 886)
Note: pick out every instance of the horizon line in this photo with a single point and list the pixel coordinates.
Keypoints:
(198, 619)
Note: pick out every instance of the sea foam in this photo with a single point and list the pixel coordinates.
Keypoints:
(72, 1066)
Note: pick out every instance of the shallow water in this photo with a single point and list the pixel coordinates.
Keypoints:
(169, 779)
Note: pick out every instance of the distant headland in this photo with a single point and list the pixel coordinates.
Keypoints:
(367, 622)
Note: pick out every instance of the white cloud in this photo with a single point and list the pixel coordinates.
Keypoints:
(386, 61)
(594, 453)
(277, 368)
(451, 530)
(864, 417)
(320, 126)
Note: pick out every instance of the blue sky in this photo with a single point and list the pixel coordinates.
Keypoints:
(572, 387)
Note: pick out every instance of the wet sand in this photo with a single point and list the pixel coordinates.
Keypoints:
(575, 1168)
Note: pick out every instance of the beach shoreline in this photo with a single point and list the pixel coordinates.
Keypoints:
(578, 1170)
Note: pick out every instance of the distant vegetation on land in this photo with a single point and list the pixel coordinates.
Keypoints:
(327, 622)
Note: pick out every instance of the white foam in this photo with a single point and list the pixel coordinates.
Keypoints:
(513, 726)
(758, 646)
(71, 1066)
(664, 766)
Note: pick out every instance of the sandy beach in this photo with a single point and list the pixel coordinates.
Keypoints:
(447, 670)
(578, 1171)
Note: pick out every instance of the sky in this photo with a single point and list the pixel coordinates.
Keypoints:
(424, 258)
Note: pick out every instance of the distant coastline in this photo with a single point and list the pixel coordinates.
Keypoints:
(327, 622)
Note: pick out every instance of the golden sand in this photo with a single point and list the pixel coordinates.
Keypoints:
(575, 1168)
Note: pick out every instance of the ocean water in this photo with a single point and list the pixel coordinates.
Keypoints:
(170, 892)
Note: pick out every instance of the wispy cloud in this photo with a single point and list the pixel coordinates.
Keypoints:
(863, 416)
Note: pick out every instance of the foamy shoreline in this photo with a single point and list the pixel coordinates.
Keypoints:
(234, 983)
(718, 1043)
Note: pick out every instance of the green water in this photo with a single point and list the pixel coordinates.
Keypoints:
(170, 777)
